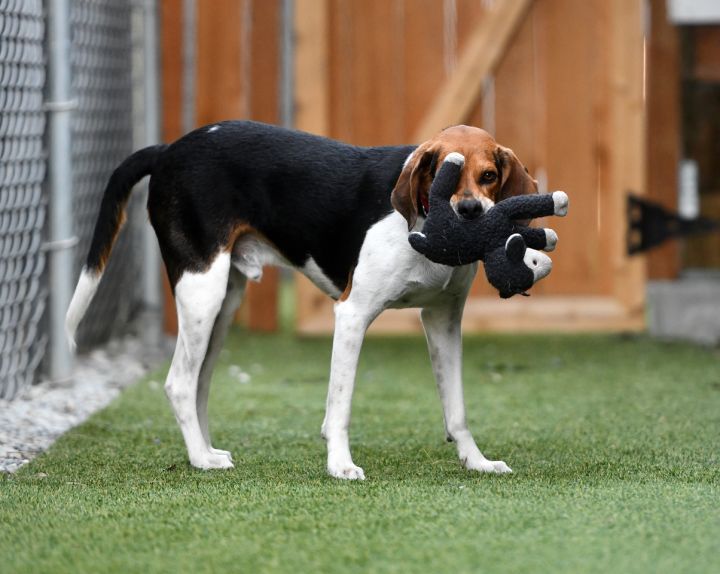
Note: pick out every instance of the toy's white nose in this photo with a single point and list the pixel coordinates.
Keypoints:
(538, 262)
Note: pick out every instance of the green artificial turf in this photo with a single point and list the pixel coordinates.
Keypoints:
(613, 441)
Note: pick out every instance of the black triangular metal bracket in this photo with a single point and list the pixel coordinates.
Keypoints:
(650, 224)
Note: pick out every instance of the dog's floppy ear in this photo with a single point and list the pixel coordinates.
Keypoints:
(514, 178)
(414, 182)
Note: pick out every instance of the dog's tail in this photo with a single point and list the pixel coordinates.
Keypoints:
(107, 227)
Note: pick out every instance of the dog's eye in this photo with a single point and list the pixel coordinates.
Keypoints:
(488, 177)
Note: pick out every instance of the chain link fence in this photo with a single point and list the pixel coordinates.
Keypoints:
(102, 136)
(101, 45)
(22, 204)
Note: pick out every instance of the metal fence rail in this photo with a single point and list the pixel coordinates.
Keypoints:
(101, 63)
(22, 209)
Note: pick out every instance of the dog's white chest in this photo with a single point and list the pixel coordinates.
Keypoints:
(391, 271)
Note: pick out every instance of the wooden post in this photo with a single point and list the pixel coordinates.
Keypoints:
(260, 66)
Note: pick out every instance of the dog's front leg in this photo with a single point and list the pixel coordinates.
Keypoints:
(351, 322)
(442, 328)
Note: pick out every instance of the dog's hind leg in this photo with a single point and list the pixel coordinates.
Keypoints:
(235, 291)
(199, 298)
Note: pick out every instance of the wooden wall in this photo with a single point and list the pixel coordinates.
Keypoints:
(566, 95)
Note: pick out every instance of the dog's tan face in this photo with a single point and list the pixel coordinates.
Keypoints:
(491, 173)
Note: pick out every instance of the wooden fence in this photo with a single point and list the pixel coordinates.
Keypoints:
(562, 82)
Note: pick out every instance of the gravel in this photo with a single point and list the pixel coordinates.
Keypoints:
(31, 422)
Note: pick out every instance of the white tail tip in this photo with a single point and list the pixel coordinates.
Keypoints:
(84, 293)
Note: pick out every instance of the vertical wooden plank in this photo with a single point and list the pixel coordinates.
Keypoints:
(423, 30)
(469, 15)
(514, 87)
(339, 52)
(219, 86)
(626, 149)
(311, 111)
(539, 122)
(171, 39)
(265, 62)
(581, 266)
(367, 73)
(311, 66)
(262, 100)
(663, 130)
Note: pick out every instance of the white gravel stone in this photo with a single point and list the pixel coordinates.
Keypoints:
(31, 422)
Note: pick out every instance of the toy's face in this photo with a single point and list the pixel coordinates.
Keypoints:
(491, 173)
(514, 268)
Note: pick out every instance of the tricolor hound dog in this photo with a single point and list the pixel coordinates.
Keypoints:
(229, 198)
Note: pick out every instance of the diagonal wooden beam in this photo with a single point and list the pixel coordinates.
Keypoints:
(484, 50)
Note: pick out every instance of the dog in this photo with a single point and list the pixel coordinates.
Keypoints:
(229, 198)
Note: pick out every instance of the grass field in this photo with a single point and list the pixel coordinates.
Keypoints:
(613, 441)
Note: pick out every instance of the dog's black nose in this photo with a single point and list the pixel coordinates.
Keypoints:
(469, 208)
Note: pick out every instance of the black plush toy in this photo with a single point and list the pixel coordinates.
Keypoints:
(508, 249)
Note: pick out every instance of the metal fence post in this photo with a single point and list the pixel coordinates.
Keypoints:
(287, 69)
(147, 132)
(61, 238)
(189, 68)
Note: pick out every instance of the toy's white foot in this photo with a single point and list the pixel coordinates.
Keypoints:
(484, 465)
(210, 461)
(455, 157)
(345, 470)
(551, 240)
(561, 201)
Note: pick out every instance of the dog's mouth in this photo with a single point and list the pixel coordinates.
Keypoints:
(423, 204)
(469, 209)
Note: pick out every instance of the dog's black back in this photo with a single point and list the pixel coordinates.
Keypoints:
(309, 196)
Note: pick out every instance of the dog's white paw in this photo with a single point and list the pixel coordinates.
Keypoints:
(211, 461)
(347, 471)
(551, 240)
(221, 453)
(490, 466)
(561, 201)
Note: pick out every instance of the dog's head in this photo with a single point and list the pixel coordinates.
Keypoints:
(491, 173)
